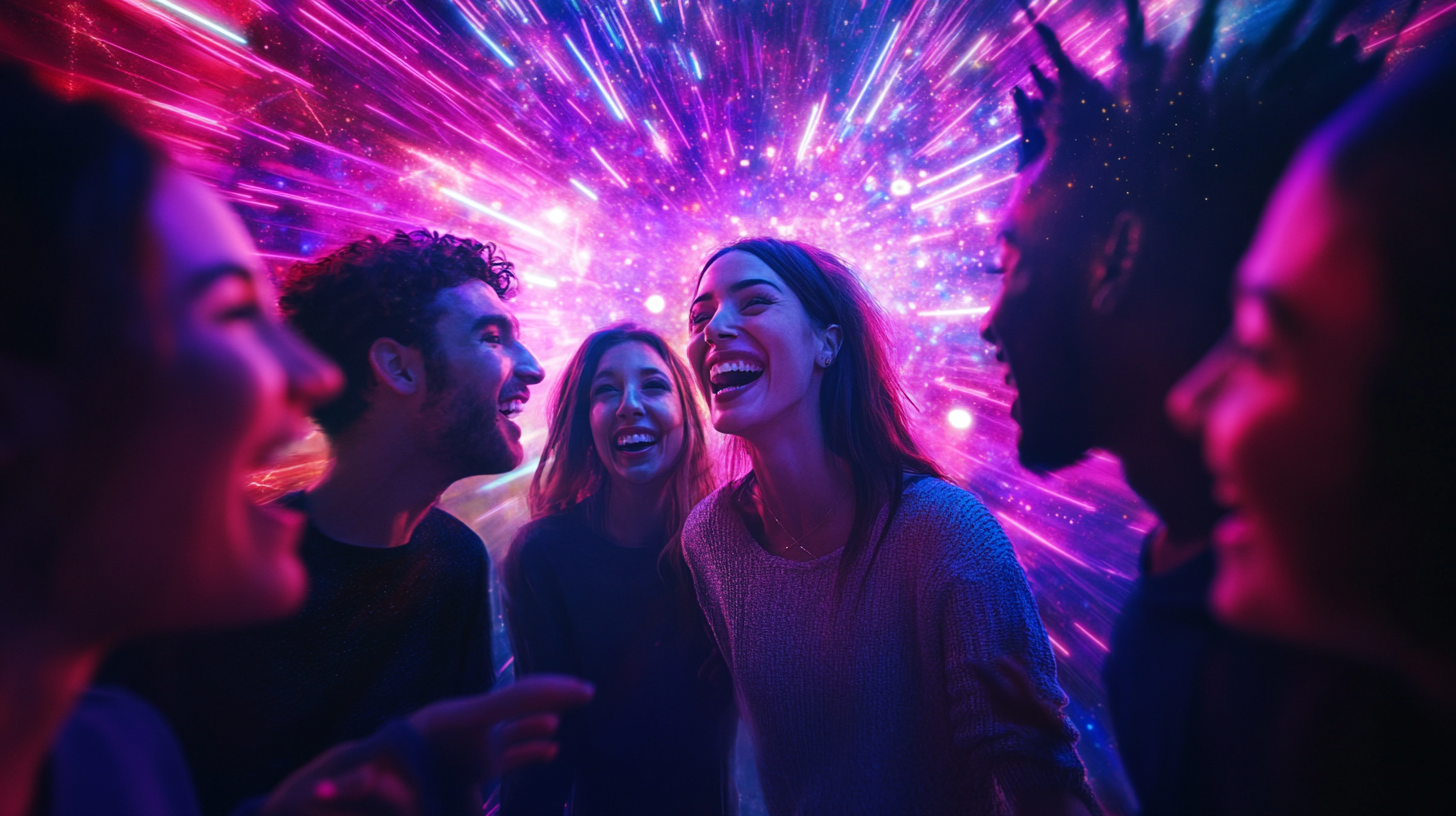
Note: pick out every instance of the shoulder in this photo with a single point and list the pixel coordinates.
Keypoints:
(114, 710)
(712, 517)
(950, 526)
(442, 538)
(931, 503)
(116, 754)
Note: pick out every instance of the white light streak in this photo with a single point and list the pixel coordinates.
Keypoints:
(504, 219)
(583, 189)
(202, 21)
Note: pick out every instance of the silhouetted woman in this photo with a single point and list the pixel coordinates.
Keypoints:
(851, 589)
(595, 588)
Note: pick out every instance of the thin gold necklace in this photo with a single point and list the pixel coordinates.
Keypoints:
(797, 542)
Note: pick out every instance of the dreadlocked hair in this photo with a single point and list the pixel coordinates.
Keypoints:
(1174, 149)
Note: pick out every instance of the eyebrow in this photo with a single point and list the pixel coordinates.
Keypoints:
(508, 322)
(643, 370)
(203, 280)
(740, 286)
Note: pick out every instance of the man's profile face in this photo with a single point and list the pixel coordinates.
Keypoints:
(1036, 322)
(478, 381)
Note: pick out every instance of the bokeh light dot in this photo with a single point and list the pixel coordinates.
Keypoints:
(960, 419)
(655, 304)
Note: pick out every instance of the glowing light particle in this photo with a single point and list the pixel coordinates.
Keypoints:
(655, 304)
(960, 419)
(900, 187)
(583, 189)
(202, 21)
(540, 280)
(557, 215)
(505, 219)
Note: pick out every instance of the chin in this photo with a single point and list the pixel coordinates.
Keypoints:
(1042, 455)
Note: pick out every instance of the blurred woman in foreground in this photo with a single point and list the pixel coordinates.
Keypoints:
(596, 589)
(1329, 416)
(144, 376)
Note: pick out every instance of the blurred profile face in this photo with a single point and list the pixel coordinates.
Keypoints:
(487, 374)
(183, 546)
(636, 415)
(1283, 408)
(1043, 265)
(753, 346)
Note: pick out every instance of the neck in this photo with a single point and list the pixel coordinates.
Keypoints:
(39, 684)
(636, 514)
(1166, 470)
(377, 491)
(799, 480)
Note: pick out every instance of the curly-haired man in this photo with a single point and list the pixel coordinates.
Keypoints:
(399, 612)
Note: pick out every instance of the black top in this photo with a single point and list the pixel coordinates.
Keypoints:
(384, 631)
(655, 739)
(1211, 721)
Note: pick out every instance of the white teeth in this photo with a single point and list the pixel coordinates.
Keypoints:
(635, 438)
(734, 365)
(511, 408)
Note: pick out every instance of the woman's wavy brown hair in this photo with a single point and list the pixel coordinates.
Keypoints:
(571, 474)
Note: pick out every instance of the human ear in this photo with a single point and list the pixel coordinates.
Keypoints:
(1113, 272)
(829, 342)
(398, 367)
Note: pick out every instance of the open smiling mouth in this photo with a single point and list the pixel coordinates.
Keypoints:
(512, 408)
(733, 376)
(635, 441)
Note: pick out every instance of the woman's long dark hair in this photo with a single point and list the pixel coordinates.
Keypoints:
(861, 400)
(79, 307)
(571, 475)
(1391, 162)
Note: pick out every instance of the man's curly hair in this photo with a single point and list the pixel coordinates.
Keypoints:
(370, 289)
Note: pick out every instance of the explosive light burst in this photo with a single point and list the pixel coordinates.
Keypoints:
(644, 133)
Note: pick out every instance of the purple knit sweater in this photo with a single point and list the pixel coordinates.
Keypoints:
(870, 704)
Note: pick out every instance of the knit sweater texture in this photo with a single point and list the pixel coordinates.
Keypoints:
(866, 701)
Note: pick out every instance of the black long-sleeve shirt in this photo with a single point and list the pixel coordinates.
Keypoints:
(385, 631)
(655, 739)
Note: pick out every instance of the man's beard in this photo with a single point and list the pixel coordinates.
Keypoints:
(466, 432)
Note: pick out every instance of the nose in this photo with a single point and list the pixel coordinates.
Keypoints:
(313, 379)
(1188, 401)
(631, 404)
(723, 326)
(527, 367)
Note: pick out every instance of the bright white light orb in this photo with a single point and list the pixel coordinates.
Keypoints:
(900, 187)
(959, 418)
(655, 304)
(557, 215)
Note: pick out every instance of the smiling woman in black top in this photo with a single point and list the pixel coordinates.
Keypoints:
(595, 586)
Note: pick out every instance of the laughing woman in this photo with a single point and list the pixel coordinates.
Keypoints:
(853, 591)
(595, 585)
